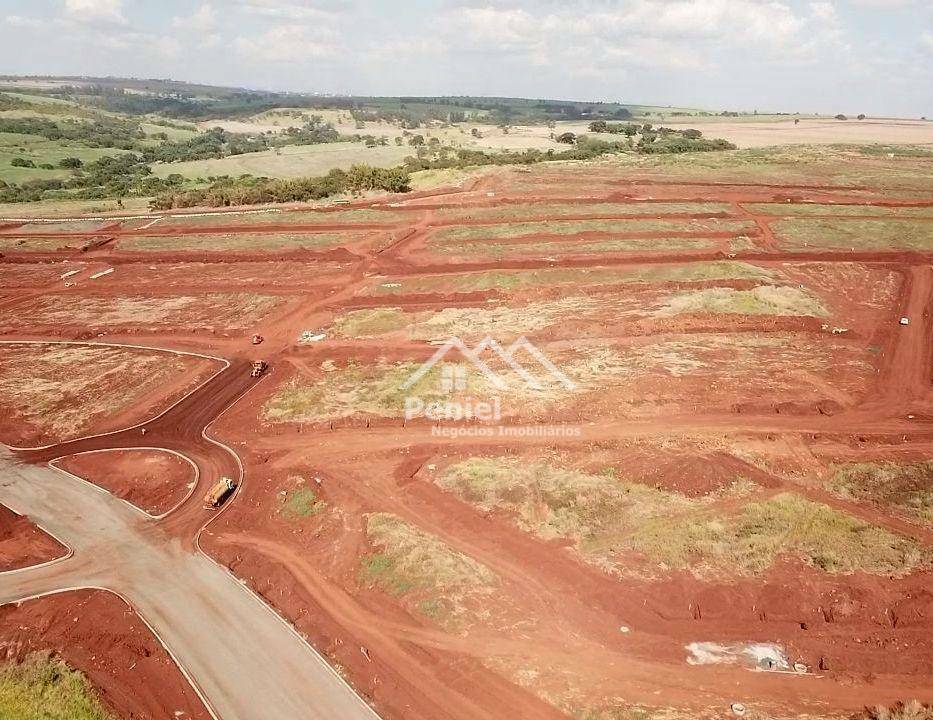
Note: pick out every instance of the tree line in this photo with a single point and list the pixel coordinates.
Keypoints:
(248, 190)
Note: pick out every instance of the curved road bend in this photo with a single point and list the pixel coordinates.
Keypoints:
(245, 661)
(180, 428)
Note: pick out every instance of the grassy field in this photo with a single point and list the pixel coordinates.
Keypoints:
(905, 487)
(238, 241)
(506, 281)
(606, 517)
(811, 234)
(362, 390)
(43, 688)
(512, 230)
(905, 176)
(289, 162)
(547, 249)
(217, 310)
(71, 208)
(25, 243)
(64, 226)
(369, 216)
(804, 210)
(35, 379)
(437, 580)
(571, 209)
(762, 300)
(41, 151)
(503, 321)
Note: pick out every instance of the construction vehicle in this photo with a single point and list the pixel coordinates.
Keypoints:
(218, 493)
(259, 367)
(257, 339)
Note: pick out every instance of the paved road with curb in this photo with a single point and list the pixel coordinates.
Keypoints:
(243, 660)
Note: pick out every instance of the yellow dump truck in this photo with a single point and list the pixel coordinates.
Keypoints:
(218, 493)
(259, 367)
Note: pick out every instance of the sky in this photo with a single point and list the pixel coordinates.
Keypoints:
(827, 56)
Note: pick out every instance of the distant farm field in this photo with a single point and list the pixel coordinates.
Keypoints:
(289, 162)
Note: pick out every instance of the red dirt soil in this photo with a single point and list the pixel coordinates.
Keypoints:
(155, 481)
(95, 632)
(554, 619)
(23, 544)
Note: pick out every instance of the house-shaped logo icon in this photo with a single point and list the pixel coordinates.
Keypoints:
(455, 379)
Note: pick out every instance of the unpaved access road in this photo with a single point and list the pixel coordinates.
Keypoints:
(244, 661)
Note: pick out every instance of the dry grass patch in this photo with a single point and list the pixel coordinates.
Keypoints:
(512, 230)
(43, 687)
(607, 517)
(805, 233)
(298, 501)
(39, 244)
(335, 217)
(504, 280)
(439, 581)
(63, 389)
(65, 226)
(215, 310)
(571, 209)
(240, 241)
(762, 300)
(577, 247)
(910, 710)
(906, 487)
(363, 390)
(498, 321)
(806, 210)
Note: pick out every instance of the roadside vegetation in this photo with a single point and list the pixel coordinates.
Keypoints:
(435, 579)
(611, 520)
(904, 487)
(42, 686)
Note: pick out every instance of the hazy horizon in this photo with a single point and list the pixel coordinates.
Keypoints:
(851, 56)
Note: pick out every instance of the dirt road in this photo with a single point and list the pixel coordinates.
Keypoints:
(238, 654)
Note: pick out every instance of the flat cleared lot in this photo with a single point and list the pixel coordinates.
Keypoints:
(53, 392)
(240, 241)
(750, 134)
(578, 209)
(367, 216)
(811, 234)
(221, 311)
(581, 227)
